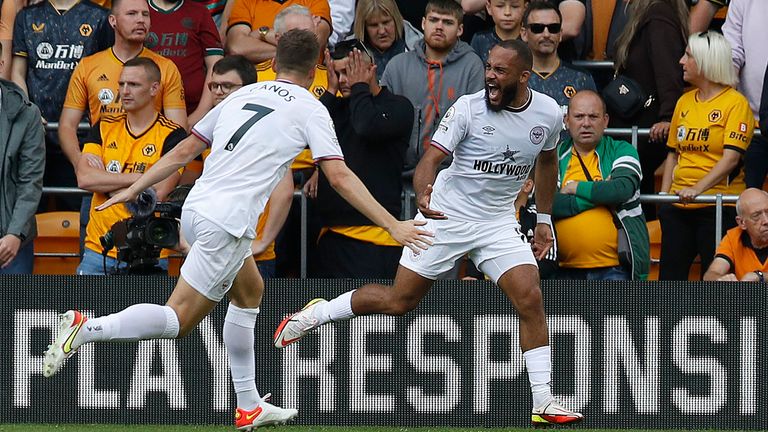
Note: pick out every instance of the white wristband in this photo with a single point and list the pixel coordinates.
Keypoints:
(543, 218)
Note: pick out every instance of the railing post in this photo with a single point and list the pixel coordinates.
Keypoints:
(304, 229)
(634, 136)
(718, 218)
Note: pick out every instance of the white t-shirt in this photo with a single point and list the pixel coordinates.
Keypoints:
(254, 135)
(493, 153)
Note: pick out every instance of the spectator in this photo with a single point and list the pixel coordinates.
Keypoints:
(7, 16)
(44, 56)
(743, 253)
(230, 74)
(603, 23)
(379, 24)
(250, 34)
(440, 70)
(542, 31)
(743, 26)
(184, 32)
(648, 51)
(373, 126)
(712, 125)
(118, 150)
(23, 146)
(599, 187)
(703, 12)
(507, 20)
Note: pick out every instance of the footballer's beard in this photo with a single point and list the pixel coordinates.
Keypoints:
(508, 94)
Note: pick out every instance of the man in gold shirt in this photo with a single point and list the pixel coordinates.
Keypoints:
(118, 151)
(599, 188)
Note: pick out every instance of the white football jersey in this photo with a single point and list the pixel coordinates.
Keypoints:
(254, 135)
(493, 154)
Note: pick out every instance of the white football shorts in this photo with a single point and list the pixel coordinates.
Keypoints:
(493, 247)
(215, 256)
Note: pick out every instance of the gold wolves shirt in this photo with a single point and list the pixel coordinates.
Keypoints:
(493, 153)
(701, 131)
(53, 44)
(254, 135)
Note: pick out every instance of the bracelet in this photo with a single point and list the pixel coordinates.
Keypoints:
(760, 276)
(543, 218)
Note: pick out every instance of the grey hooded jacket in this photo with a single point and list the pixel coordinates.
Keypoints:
(22, 147)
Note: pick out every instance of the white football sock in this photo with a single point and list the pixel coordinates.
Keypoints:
(137, 322)
(538, 362)
(337, 309)
(238, 338)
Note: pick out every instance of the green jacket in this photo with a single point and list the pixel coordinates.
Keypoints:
(22, 147)
(620, 192)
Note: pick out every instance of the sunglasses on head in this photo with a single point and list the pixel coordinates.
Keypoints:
(705, 34)
(537, 28)
(343, 48)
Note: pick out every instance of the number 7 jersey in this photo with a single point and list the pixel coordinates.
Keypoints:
(254, 135)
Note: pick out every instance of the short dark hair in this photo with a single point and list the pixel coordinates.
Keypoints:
(297, 51)
(540, 5)
(524, 55)
(447, 7)
(343, 48)
(149, 65)
(241, 65)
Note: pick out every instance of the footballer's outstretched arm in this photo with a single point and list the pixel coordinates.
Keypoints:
(349, 186)
(186, 150)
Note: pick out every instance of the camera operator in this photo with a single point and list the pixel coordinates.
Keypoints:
(118, 150)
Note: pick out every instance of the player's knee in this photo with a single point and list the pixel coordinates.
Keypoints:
(530, 301)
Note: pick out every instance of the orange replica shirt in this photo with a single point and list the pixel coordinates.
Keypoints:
(701, 131)
(258, 13)
(601, 249)
(123, 152)
(738, 251)
(94, 85)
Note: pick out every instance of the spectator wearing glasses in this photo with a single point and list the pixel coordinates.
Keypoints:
(542, 31)
(711, 128)
(228, 75)
(648, 51)
(743, 253)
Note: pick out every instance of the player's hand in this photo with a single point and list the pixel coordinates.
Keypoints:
(258, 247)
(730, 277)
(423, 204)
(9, 247)
(357, 70)
(542, 241)
(569, 188)
(94, 161)
(408, 234)
(123, 196)
(310, 187)
(333, 79)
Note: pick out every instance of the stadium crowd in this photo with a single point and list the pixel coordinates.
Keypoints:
(389, 71)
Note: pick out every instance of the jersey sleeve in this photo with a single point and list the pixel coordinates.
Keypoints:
(20, 47)
(322, 9)
(320, 134)
(77, 92)
(7, 16)
(209, 36)
(173, 87)
(453, 126)
(554, 134)
(725, 250)
(203, 129)
(739, 126)
(92, 142)
(240, 14)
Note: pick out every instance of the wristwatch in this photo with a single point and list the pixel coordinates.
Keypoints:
(760, 276)
(263, 32)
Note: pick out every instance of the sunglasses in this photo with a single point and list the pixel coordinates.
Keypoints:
(343, 48)
(538, 28)
(225, 87)
(705, 34)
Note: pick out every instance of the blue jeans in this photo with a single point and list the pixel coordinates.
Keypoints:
(603, 273)
(93, 264)
(22, 263)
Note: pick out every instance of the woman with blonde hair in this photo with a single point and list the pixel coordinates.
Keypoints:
(711, 128)
(381, 27)
(647, 51)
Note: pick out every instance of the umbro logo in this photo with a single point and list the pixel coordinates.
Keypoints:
(112, 146)
(488, 130)
(103, 77)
